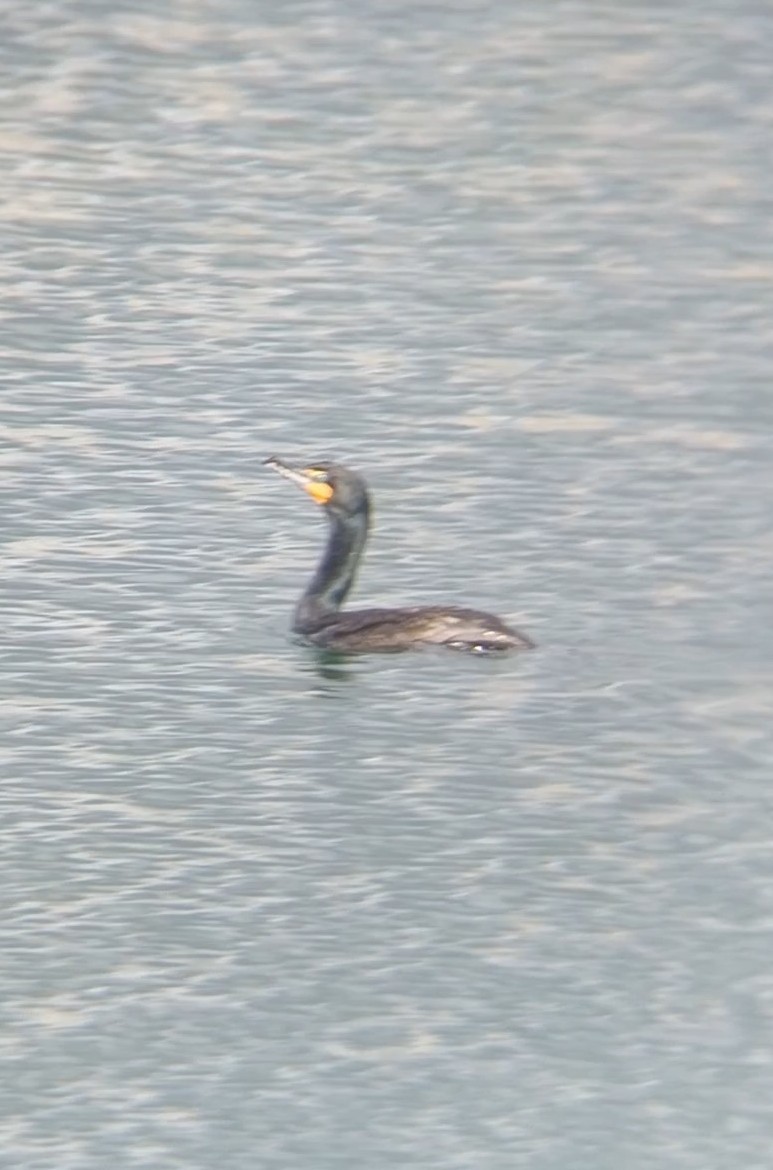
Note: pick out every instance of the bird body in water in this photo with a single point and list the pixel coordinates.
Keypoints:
(318, 615)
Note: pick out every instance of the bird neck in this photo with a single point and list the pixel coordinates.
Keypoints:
(336, 570)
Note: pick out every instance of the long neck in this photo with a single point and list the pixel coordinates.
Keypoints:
(336, 570)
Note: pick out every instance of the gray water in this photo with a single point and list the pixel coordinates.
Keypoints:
(516, 264)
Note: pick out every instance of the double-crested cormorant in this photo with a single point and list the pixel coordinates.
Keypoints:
(318, 616)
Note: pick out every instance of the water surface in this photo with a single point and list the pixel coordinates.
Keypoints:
(419, 910)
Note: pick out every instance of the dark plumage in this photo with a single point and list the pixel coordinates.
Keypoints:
(318, 615)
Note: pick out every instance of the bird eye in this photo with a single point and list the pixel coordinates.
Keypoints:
(317, 473)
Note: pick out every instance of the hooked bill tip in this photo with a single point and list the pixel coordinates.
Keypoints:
(279, 465)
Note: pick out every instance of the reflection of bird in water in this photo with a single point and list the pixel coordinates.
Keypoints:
(318, 616)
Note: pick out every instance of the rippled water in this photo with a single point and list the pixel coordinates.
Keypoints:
(268, 910)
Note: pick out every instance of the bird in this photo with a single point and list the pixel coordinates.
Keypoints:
(319, 619)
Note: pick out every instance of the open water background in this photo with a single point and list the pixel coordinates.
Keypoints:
(515, 262)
